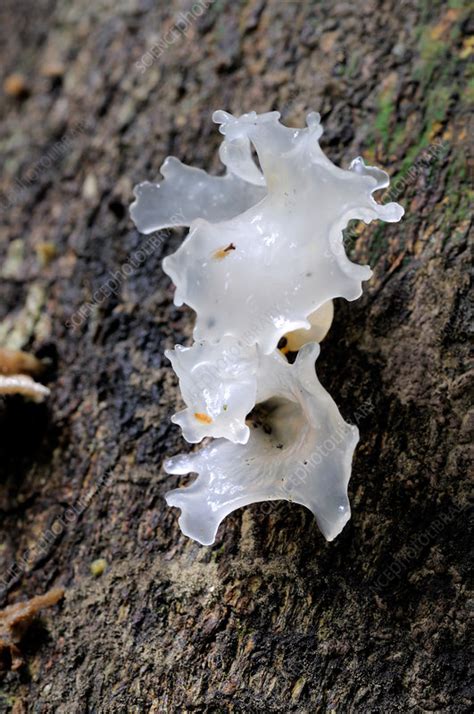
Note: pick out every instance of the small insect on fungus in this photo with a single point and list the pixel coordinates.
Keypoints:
(223, 252)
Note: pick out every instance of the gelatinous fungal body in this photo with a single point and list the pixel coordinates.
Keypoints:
(263, 260)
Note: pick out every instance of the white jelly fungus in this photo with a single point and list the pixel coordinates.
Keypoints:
(263, 260)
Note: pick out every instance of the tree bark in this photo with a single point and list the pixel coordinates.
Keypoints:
(272, 618)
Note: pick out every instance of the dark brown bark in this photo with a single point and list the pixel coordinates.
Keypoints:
(272, 618)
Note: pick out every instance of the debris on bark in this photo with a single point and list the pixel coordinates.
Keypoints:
(15, 85)
(24, 385)
(19, 362)
(14, 622)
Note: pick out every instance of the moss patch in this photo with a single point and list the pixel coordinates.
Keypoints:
(383, 118)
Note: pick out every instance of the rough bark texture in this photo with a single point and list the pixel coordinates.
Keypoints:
(272, 618)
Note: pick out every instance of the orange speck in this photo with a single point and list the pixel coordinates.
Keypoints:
(435, 129)
(15, 86)
(450, 16)
(448, 134)
(222, 252)
(203, 418)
